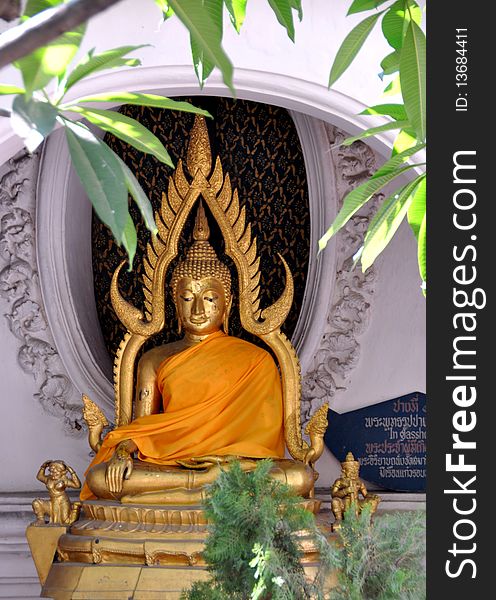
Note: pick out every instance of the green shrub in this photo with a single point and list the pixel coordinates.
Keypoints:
(382, 559)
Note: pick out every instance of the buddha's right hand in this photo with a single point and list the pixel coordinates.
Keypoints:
(120, 466)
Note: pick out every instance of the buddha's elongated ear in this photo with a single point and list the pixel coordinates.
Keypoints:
(179, 323)
(225, 323)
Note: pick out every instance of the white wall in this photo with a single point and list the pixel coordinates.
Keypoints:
(29, 436)
(392, 360)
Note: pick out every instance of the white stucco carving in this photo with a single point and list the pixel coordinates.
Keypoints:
(350, 303)
(21, 295)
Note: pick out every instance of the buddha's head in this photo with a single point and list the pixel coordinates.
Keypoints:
(201, 284)
(350, 466)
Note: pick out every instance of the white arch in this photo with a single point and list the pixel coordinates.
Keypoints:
(261, 86)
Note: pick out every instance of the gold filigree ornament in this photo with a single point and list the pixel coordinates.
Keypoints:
(211, 185)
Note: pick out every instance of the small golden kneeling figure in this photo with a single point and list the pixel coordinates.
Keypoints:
(58, 508)
(347, 489)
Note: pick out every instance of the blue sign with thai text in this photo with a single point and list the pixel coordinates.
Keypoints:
(389, 440)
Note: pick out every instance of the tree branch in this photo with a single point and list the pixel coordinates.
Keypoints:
(41, 29)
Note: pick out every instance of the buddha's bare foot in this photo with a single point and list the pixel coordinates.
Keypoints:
(206, 462)
(177, 496)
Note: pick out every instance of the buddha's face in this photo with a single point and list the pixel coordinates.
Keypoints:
(350, 471)
(201, 304)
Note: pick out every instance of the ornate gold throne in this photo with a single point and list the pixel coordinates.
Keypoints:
(120, 541)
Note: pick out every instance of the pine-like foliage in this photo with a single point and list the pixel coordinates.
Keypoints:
(251, 511)
(382, 559)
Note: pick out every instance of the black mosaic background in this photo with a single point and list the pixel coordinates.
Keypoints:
(259, 148)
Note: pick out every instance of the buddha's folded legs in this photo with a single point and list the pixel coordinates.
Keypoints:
(176, 485)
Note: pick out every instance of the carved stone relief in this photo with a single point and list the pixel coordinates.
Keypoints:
(20, 292)
(349, 307)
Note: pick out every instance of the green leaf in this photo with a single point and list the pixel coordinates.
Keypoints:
(375, 130)
(33, 7)
(203, 65)
(237, 12)
(167, 11)
(199, 66)
(396, 20)
(284, 13)
(47, 62)
(130, 240)
(390, 63)
(385, 223)
(416, 212)
(356, 199)
(363, 5)
(101, 175)
(395, 111)
(205, 31)
(109, 59)
(6, 89)
(32, 120)
(141, 199)
(140, 100)
(350, 47)
(405, 139)
(128, 130)
(393, 88)
(413, 75)
(422, 250)
(296, 5)
(398, 159)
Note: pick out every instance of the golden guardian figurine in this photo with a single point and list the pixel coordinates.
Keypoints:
(57, 509)
(346, 491)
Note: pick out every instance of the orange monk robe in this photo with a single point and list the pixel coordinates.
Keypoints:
(222, 396)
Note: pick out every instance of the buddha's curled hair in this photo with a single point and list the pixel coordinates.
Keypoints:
(201, 260)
